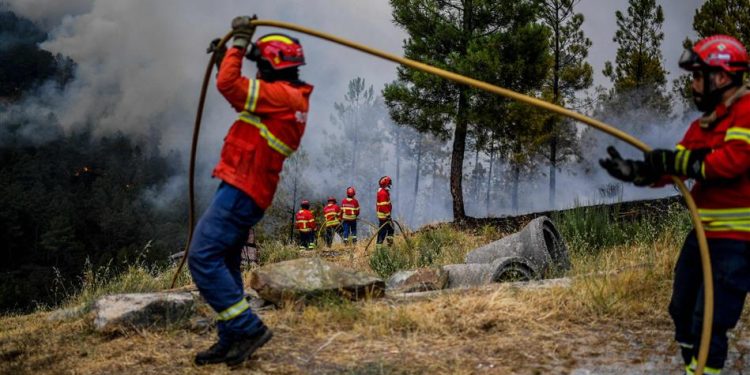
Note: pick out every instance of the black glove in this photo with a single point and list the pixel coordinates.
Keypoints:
(638, 172)
(688, 163)
(243, 31)
(220, 51)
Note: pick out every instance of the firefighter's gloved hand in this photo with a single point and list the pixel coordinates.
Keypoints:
(688, 163)
(243, 31)
(628, 170)
(220, 50)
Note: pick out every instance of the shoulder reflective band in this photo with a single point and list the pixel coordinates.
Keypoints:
(273, 142)
(234, 310)
(252, 95)
(738, 134)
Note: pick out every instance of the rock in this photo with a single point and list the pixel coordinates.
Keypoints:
(303, 278)
(539, 244)
(420, 280)
(67, 313)
(141, 310)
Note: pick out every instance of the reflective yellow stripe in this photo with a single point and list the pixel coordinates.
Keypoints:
(680, 147)
(252, 95)
(738, 134)
(383, 203)
(724, 214)
(278, 38)
(690, 369)
(273, 142)
(383, 215)
(234, 310)
(725, 226)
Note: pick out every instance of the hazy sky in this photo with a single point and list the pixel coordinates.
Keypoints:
(140, 62)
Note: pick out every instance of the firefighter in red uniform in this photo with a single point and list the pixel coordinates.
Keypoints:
(715, 152)
(383, 209)
(332, 213)
(350, 207)
(305, 223)
(272, 112)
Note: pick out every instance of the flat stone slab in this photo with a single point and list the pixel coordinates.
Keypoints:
(304, 278)
(141, 310)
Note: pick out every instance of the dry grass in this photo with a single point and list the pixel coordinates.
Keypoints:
(614, 314)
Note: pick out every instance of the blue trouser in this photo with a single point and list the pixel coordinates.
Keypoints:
(307, 239)
(385, 232)
(215, 256)
(350, 228)
(730, 263)
(330, 232)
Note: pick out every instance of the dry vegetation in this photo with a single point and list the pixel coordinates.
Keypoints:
(612, 317)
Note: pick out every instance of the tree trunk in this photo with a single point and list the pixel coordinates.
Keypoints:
(416, 177)
(457, 158)
(552, 171)
(514, 196)
(398, 173)
(489, 179)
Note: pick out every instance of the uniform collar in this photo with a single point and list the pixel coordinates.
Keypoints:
(711, 119)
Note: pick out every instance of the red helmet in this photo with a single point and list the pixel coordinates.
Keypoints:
(717, 52)
(331, 199)
(305, 203)
(385, 181)
(350, 192)
(281, 51)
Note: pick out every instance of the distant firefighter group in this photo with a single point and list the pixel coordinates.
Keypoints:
(343, 219)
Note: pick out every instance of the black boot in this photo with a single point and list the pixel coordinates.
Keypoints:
(215, 354)
(243, 348)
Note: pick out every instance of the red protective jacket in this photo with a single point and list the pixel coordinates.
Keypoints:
(350, 206)
(723, 196)
(332, 213)
(305, 220)
(383, 205)
(269, 129)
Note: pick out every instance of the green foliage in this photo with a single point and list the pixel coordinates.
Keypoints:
(569, 73)
(495, 41)
(386, 261)
(728, 17)
(638, 73)
(277, 251)
(79, 198)
(430, 247)
(588, 230)
(23, 65)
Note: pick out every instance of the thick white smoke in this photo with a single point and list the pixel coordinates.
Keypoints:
(140, 64)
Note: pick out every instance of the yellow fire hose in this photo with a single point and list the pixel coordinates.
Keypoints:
(708, 309)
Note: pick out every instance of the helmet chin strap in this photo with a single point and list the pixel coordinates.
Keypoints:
(712, 95)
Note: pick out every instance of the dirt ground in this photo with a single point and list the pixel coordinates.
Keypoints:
(489, 331)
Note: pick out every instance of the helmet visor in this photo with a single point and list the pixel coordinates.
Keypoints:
(689, 60)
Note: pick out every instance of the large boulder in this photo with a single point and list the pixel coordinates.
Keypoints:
(419, 280)
(119, 312)
(539, 246)
(305, 278)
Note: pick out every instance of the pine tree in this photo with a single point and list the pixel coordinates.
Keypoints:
(638, 75)
(569, 74)
(497, 41)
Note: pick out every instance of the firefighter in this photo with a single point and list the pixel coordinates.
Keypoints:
(332, 213)
(715, 153)
(272, 111)
(383, 208)
(305, 223)
(350, 207)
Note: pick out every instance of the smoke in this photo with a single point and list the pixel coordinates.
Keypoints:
(140, 65)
